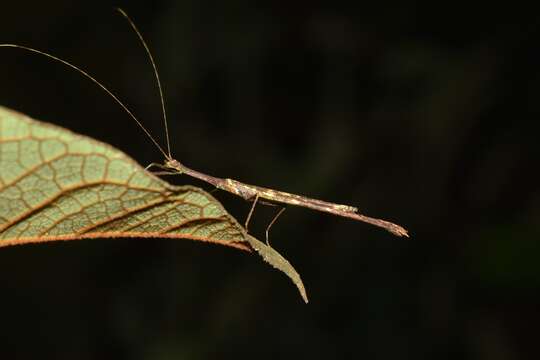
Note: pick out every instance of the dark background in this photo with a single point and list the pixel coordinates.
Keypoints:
(424, 115)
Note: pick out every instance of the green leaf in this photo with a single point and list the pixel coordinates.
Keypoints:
(275, 259)
(58, 185)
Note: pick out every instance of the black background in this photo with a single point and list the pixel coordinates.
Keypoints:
(424, 115)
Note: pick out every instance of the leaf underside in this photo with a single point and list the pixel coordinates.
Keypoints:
(58, 185)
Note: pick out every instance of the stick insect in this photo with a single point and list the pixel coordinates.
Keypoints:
(252, 193)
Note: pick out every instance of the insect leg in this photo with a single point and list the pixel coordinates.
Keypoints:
(151, 165)
(272, 223)
(251, 211)
(164, 173)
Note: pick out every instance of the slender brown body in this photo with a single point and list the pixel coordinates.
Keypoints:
(251, 192)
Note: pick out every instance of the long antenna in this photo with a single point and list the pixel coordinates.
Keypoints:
(97, 83)
(156, 74)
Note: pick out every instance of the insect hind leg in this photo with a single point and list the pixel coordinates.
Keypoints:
(274, 219)
(272, 223)
(246, 223)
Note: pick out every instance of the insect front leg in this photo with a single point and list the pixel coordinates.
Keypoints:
(165, 170)
(151, 165)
